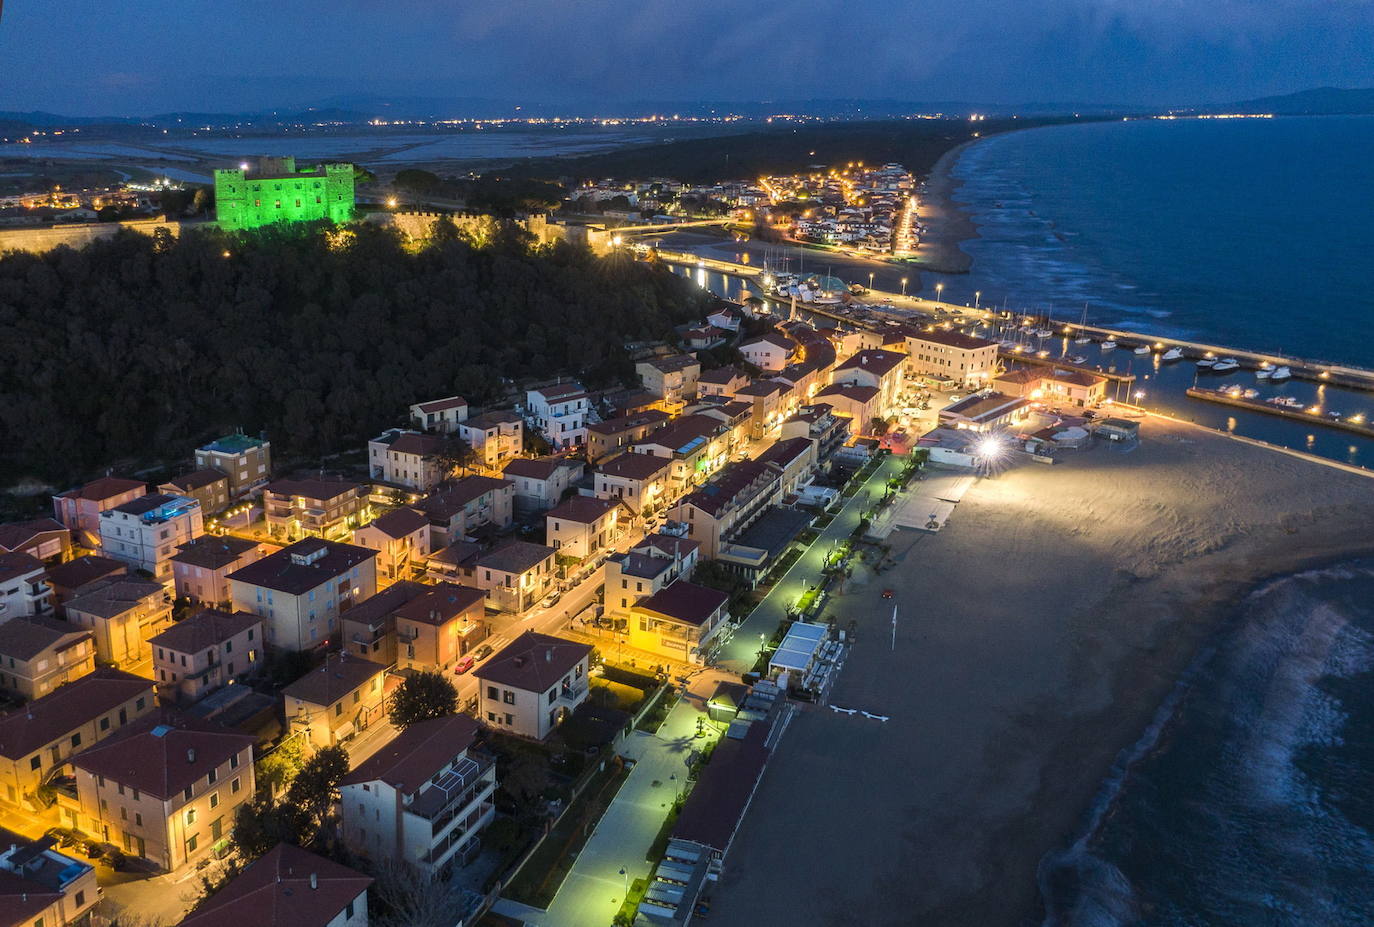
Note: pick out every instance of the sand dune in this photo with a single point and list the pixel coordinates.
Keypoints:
(1038, 634)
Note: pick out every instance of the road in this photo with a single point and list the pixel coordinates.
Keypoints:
(742, 649)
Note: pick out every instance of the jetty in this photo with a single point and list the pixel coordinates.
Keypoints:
(1356, 424)
(1060, 363)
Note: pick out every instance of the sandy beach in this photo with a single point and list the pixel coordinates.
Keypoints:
(1038, 635)
(947, 224)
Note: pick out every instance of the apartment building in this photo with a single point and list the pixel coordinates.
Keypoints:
(422, 799)
(819, 423)
(697, 445)
(769, 401)
(882, 370)
(336, 700)
(493, 437)
(326, 508)
(301, 590)
(472, 502)
(616, 435)
(442, 416)
(43, 539)
(204, 652)
(43, 735)
(515, 576)
(678, 622)
(529, 686)
(561, 413)
(79, 509)
(408, 458)
(287, 887)
(540, 482)
(40, 887)
(24, 589)
(73, 577)
(201, 567)
(770, 351)
(672, 379)
(723, 381)
(208, 487)
(401, 540)
(164, 789)
(646, 568)
(146, 532)
(368, 629)
(723, 508)
(940, 355)
(246, 461)
(795, 460)
(437, 628)
(39, 654)
(859, 404)
(582, 526)
(638, 481)
(121, 614)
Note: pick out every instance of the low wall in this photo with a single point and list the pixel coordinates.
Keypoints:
(79, 235)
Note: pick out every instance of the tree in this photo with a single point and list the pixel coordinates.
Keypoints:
(454, 454)
(278, 769)
(312, 791)
(412, 899)
(877, 427)
(421, 697)
(261, 824)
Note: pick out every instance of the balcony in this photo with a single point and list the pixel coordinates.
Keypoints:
(440, 802)
(573, 692)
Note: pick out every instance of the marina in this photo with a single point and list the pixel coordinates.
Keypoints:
(1293, 410)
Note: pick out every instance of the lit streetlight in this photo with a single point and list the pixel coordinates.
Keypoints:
(870, 279)
(904, 286)
(627, 881)
(977, 295)
(939, 288)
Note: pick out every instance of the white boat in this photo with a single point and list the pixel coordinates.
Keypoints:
(1109, 345)
(1008, 345)
(1141, 349)
(1265, 365)
(1280, 374)
(1226, 365)
(1206, 363)
(1172, 354)
(1043, 333)
(1250, 393)
(1263, 374)
(1083, 339)
(1078, 359)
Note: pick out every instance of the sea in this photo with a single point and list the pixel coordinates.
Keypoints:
(1249, 799)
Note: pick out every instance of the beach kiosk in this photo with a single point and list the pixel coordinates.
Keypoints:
(796, 655)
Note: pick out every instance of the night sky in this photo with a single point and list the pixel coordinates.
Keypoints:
(87, 57)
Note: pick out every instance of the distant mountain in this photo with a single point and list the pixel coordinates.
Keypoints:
(1321, 101)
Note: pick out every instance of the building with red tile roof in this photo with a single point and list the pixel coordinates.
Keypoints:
(530, 685)
(287, 887)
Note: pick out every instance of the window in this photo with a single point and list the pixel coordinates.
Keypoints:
(338, 709)
(491, 716)
(348, 908)
(491, 693)
(81, 899)
(510, 719)
(234, 761)
(142, 700)
(190, 816)
(191, 842)
(214, 800)
(138, 819)
(508, 696)
(235, 786)
(187, 794)
(120, 788)
(553, 695)
(36, 762)
(213, 775)
(76, 740)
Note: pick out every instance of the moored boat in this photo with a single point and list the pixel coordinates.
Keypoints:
(1109, 345)
(1141, 349)
(1172, 354)
(1226, 365)
(1280, 374)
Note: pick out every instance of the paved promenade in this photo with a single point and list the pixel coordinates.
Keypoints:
(739, 653)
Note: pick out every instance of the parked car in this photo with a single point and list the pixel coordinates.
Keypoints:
(482, 652)
(465, 664)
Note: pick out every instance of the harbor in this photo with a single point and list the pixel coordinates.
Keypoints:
(1294, 410)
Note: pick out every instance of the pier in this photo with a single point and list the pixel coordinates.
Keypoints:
(1059, 363)
(1224, 397)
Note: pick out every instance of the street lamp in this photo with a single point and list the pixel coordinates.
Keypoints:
(904, 286)
(627, 881)
(977, 295)
(870, 279)
(939, 288)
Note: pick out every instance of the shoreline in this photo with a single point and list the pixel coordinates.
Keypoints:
(947, 222)
(1041, 632)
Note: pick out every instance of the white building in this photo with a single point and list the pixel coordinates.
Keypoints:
(560, 412)
(440, 415)
(533, 683)
(422, 799)
(146, 532)
(407, 458)
(24, 588)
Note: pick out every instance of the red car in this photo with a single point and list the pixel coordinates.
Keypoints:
(464, 665)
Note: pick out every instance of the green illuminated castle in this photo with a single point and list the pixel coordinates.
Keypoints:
(278, 192)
